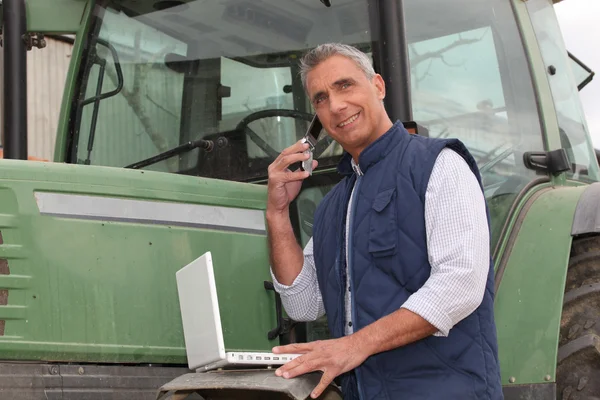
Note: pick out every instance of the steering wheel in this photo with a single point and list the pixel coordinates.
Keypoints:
(260, 142)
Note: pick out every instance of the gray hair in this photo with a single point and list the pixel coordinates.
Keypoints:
(326, 50)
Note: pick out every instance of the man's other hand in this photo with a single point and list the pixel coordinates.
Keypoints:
(333, 357)
(284, 185)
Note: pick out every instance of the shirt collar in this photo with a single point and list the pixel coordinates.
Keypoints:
(356, 168)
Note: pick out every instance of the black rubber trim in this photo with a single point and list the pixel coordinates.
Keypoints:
(537, 391)
(515, 231)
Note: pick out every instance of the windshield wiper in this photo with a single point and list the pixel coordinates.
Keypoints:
(207, 145)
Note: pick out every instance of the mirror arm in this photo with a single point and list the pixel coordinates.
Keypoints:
(585, 68)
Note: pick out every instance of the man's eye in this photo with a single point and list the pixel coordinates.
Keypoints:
(346, 85)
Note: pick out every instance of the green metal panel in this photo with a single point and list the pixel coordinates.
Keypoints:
(105, 291)
(60, 148)
(529, 300)
(55, 16)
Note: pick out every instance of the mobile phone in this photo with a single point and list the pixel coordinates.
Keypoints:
(312, 133)
(311, 137)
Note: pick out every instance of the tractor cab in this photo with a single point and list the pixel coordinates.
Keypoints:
(212, 89)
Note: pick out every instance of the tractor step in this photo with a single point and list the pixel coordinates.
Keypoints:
(244, 384)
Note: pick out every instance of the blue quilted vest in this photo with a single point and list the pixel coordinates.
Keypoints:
(388, 262)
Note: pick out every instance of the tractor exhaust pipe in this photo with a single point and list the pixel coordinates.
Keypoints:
(14, 130)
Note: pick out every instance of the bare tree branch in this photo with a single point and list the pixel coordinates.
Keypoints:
(171, 113)
(134, 102)
(439, 53)
(426, 73)
(134, 99)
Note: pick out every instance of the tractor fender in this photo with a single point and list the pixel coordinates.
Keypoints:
(530, 284)
(245, 384)
(587, 213)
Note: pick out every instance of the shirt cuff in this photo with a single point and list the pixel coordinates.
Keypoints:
(429, 312)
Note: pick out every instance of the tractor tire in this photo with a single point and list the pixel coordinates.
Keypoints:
(578, 368)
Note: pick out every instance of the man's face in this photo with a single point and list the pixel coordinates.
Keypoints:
(347, 102)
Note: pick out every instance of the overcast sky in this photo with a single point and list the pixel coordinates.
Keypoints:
(579, 23)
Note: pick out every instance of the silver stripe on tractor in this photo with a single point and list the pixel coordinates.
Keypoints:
(151, 212)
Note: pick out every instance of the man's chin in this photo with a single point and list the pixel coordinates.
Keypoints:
(353, 144)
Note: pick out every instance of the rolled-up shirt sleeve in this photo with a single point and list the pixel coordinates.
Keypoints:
(302, 299)
(458, 245)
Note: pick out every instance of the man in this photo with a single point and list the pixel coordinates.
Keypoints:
(399, 259)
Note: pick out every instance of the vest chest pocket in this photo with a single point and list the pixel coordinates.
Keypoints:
(383, 233)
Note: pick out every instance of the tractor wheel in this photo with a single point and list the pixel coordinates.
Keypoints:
(578, 370)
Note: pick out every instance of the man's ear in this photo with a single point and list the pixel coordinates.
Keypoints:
(379, 86)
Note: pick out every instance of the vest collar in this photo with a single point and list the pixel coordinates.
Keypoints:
(374, 152)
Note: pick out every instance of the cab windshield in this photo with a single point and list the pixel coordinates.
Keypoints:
(159, 75)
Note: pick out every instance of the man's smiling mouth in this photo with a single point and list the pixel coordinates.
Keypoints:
(348, 121)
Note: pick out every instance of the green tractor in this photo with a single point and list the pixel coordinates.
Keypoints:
(172, 111)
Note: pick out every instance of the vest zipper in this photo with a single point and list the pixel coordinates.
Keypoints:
(342, 260)
(349, 277)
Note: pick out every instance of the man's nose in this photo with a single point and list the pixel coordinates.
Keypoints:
(337, 104)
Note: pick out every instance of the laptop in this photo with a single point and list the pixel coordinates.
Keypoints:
(202, 330)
